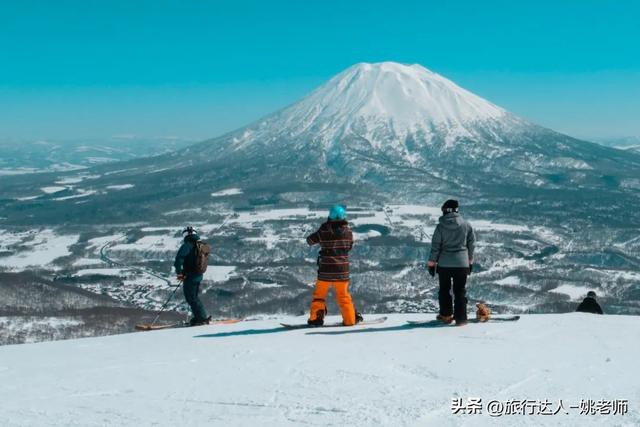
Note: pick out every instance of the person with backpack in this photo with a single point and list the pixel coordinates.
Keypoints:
(336, 240)
(190, 264)
(451, 257)
(590, 305)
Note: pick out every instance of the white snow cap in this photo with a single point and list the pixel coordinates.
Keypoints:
(385, 104)
(405, 97)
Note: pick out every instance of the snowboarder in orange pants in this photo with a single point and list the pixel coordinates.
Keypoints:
(343, 297)
(336, 240)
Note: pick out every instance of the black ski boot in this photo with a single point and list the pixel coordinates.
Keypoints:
(359, 317)
(196, 322)
(319, 320)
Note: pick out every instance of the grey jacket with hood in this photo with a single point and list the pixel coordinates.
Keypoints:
(453, 242)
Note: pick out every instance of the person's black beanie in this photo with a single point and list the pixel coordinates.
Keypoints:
(450, 206)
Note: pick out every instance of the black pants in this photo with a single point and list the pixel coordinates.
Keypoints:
(457, 275)
(191, 288)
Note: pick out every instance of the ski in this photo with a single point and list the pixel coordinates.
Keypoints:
(375, 321)
(491, 320)
(149, 327)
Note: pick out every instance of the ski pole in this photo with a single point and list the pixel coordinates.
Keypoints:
(164, 306)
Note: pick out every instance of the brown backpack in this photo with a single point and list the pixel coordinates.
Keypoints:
(202, 250)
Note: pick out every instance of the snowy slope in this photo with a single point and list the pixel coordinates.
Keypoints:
(254, 373)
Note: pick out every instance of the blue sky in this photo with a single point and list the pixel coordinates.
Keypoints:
(195, 69)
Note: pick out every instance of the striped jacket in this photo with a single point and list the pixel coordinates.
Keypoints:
(335, 240)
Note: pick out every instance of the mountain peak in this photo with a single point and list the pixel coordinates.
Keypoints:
(410, 94)
(387, 101)
(388, 66)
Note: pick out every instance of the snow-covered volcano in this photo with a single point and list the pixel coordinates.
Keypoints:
(383, 132)
(388, 124)
(384, 102)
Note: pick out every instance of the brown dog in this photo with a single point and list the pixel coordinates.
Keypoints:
(483, 313)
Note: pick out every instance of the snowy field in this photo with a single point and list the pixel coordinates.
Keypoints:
(255, 373)
(38, 249)
(261, 264)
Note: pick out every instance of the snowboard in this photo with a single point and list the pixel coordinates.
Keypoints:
(149, 327)
(375, 321)
(491, 320)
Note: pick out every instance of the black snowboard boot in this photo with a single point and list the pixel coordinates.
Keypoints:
(359, 317)
(319, 320)
(445, 318)
(196, 322)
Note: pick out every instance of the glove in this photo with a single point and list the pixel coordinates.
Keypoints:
(431, 266)
(181, 277)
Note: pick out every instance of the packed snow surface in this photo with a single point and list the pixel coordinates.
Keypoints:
(509, 281)
(101, 272)
(256, 373)
(81, 193)
(70, 180)
(120, 187)
(53, 189)
(227, 192)
(83, 262)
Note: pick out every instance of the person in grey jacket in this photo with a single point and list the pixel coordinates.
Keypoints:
(451, 257)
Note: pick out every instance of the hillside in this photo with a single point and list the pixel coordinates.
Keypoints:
(254, 373)
(34, 309)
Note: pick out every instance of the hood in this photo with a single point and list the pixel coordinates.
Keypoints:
(336, 225)
(451, 220)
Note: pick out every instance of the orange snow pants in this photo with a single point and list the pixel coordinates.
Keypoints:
(343, 298)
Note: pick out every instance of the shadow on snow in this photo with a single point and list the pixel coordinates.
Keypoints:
(243, 333)
(405, 327)
(343, 330)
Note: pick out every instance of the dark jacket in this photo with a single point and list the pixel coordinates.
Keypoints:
(185, 258)
(590, 305)
(335, 240)
(453, 242)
